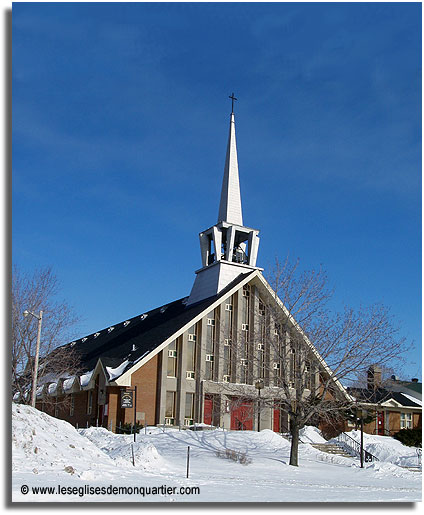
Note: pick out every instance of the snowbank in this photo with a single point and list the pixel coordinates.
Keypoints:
(311, 434)
(120, 448)
(44, 443)
(48, 451)
(387, 449)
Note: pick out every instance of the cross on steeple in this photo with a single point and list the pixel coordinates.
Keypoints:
(232, 101)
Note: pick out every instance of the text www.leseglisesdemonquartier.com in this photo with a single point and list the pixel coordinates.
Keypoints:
(84, 490)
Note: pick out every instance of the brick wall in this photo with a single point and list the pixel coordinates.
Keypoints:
(80, 416)
(145, 378)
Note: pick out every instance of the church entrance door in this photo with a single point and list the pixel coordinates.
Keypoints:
(242, 416)
(207, 410)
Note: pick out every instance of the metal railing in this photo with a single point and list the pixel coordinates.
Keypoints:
(352, 446)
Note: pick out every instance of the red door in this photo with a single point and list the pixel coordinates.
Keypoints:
(276, 423)
(242, 416)
(380, 423)
(207, 411)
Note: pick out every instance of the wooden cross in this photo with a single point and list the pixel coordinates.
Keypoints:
(232, 101)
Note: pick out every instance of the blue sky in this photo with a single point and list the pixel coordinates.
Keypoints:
(120, 122)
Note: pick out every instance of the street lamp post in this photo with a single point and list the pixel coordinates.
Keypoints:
(361, 413)
(259, 384)
(37, 353)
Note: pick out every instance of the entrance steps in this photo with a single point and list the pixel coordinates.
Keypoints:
(413, 469)
(331, 448)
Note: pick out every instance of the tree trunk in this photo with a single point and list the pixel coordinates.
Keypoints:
(294, 451)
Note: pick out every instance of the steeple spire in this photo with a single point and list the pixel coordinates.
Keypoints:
(230, 205)
(228, 248)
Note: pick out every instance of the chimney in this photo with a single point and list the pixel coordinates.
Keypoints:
(414, 379)
(374, 377)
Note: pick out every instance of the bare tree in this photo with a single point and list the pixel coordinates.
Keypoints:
(34, 293)
(306, 353)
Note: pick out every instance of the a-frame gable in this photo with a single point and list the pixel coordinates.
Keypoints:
(125, 379)
(255, 278)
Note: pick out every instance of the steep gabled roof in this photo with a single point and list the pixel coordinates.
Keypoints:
(137, 337)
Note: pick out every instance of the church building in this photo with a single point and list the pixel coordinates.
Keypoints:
(206, 358)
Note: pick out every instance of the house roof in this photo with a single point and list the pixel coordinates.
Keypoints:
(136, 337)
(380, 395)
(414, 386)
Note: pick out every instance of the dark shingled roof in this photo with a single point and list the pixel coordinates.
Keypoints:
(144, 332)
(381, 395)
(414, 386)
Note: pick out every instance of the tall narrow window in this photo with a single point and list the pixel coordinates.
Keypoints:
(244, 334)
(210, 345)
(227, 361)
(72, 405)
(228, 335)
(170, 406)
(308, 375)
(292, 364)
(189, 407)
(262, 341)
(172, 352)
(89, 402)
(191, 353)
(261, 308)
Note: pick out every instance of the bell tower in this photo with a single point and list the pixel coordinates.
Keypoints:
(228, 249)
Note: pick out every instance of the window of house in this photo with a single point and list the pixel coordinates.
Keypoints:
(406, 420)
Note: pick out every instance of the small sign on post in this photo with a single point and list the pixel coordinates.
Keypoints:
(127, 399)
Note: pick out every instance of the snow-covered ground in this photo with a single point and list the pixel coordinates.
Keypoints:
(47, 452)
(386, 449)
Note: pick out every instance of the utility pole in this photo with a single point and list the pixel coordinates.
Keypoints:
(37, 354)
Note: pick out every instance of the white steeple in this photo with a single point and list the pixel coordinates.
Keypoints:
(230, 205)
(228, 248)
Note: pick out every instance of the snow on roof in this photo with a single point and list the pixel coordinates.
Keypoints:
(40, 390)
(413, 399)
(85, 378)
(52, 388)
(67, 383)
(116, 372)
